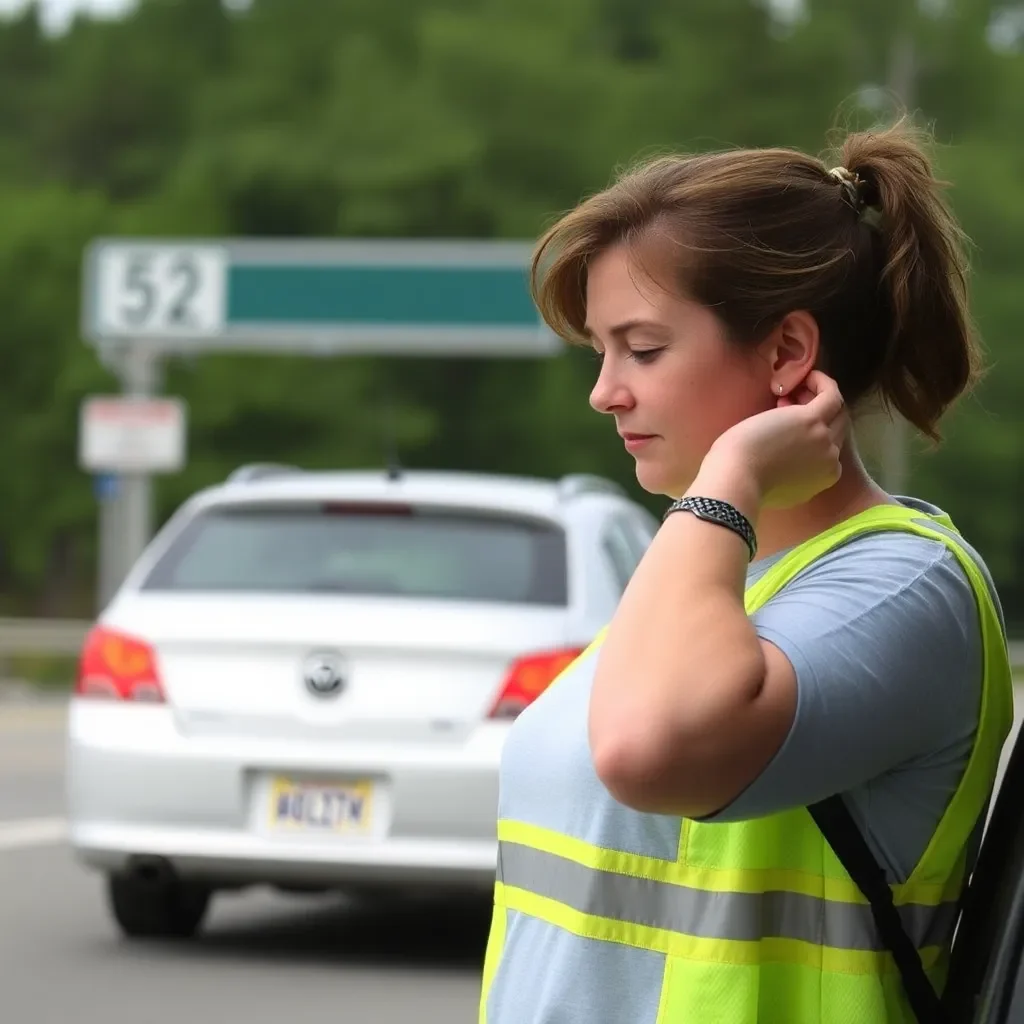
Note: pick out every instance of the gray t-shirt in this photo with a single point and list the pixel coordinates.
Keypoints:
(883, 634)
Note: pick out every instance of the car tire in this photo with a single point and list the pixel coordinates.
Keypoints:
(166, 909)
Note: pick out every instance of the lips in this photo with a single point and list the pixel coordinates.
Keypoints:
(634, 442)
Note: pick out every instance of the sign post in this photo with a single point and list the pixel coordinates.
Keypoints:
(108, 571)
(123, 439)
(144, 300)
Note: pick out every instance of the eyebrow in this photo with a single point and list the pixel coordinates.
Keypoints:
(621, 330)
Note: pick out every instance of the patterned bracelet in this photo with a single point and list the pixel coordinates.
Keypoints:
(712, 510)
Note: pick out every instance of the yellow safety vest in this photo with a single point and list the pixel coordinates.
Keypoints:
(758, 920)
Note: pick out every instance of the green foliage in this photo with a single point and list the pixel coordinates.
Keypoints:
(433, 118)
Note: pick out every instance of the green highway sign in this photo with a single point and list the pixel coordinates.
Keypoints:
(322, 297)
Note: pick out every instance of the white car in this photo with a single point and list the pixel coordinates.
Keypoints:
(307, 678)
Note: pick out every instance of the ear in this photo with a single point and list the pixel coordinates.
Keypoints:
(791, 350)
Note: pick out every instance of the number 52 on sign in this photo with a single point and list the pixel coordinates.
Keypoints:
(152, 291)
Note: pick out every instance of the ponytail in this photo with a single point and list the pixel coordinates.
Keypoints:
(931, 354)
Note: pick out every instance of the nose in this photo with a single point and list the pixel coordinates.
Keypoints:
(610, 393)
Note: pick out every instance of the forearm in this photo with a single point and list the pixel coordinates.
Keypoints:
(680, 659)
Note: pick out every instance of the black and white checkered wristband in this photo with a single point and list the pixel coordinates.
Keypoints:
(712, 510)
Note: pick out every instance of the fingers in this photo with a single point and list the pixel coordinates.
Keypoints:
(825, 400)
(838, 428)
(822, 401)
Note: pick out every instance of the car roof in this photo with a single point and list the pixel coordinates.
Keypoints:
(528, 494)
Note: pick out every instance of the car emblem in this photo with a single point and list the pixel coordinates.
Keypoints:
(322, 673)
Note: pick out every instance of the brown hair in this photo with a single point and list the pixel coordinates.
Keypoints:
(875, 256)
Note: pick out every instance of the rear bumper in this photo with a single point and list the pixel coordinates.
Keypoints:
(230, 859)
(137, 788)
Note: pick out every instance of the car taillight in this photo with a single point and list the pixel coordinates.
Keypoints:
(116, 666)
(528, 677)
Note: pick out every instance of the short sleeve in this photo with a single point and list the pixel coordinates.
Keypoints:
(884, 638)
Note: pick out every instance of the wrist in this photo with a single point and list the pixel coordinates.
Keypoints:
(731, 479)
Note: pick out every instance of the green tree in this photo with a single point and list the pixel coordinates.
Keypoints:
(450, 118)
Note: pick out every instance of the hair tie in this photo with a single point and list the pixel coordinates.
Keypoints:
(854, 192)
(851, 186)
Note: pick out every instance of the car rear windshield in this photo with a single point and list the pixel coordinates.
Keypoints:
(367, 549)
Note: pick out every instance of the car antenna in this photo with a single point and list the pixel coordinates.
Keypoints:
(394, 466)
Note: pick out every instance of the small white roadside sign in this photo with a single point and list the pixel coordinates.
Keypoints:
(125, 434)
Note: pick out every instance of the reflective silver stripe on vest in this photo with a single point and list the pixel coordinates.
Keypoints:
(712, 915)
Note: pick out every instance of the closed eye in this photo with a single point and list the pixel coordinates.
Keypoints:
(645, 355)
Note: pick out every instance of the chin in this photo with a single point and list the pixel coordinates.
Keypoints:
(661, 479)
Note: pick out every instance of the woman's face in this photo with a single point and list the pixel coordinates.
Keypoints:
(669, 375)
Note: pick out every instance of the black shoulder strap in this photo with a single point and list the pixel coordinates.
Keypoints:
(840, 830)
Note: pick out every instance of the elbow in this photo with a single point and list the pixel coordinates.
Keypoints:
(622, 765)
(636, 769)
(626, 744)
(664, 765)
(674, 756)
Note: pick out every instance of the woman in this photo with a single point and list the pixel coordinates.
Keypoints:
(793, 632)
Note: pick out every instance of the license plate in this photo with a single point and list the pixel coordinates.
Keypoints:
(320, 808)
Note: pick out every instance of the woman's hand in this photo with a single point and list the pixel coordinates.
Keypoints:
(790, 453)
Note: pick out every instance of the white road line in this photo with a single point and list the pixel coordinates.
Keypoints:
(29, 832)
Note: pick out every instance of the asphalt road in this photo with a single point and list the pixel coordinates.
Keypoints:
(262, 958)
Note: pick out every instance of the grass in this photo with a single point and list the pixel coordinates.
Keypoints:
(49, 672)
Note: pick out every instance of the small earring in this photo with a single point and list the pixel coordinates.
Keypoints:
(780, 389)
